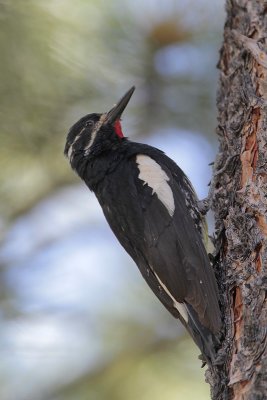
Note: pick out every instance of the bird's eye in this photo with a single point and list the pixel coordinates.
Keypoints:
(89, 124)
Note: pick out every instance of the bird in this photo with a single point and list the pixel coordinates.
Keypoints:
(152, 208)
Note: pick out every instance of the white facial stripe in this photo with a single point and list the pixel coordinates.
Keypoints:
(70, 152)
(153, 175)
(91, 141)
(94, 133)
(180, 307)
(71, 146)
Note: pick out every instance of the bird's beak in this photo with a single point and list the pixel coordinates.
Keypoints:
(115, 113)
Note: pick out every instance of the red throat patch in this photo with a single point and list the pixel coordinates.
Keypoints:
(117, 127)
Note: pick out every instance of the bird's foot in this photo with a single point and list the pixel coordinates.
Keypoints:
(204, 205)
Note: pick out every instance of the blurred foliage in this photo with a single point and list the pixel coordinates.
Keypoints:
(60, 60)
(162, 368)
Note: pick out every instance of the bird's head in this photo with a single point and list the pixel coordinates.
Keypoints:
(95, 132)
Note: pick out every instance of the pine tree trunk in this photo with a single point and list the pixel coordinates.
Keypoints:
(240, 203)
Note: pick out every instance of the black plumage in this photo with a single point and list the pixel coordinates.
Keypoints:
(152, 209)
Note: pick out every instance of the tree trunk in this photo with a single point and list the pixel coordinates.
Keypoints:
(240, 203)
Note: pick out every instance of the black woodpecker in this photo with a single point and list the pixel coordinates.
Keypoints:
(153, 210)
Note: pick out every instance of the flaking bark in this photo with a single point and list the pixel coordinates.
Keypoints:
(240, 204)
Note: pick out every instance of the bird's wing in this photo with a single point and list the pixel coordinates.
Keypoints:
(155, 225)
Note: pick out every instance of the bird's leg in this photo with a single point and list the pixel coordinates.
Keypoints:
(205, 204)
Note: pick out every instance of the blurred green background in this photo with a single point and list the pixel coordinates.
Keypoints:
(77, 321)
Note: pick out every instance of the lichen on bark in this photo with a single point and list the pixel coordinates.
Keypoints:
(240, 203)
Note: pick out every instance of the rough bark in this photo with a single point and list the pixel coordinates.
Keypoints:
(240, 203)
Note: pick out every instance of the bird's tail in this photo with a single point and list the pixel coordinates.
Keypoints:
(206, 341)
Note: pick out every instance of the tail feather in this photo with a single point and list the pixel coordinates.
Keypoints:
(206, 340)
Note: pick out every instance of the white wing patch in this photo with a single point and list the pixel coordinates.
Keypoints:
(180, 307)
(153, 175)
